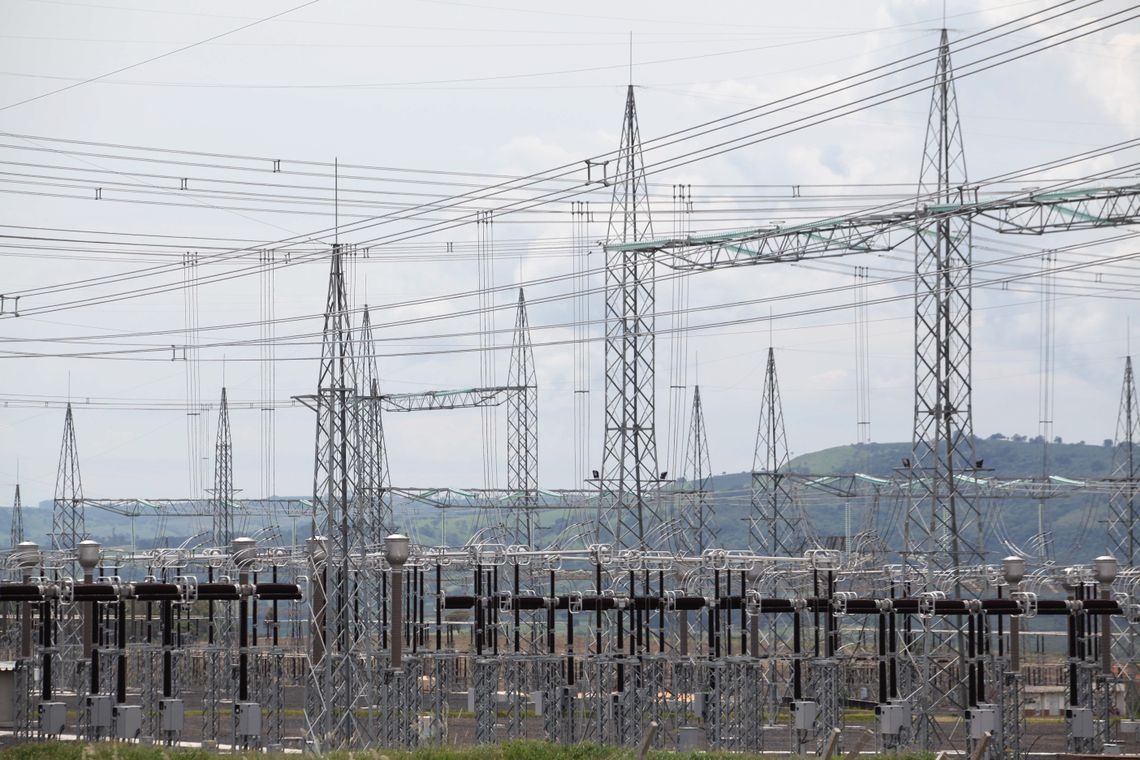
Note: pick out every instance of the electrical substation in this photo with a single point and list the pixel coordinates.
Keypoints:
(640, 621)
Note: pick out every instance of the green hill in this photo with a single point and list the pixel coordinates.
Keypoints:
(1002, 457)
(1076, 524)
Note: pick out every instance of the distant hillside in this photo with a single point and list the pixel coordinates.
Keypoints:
(1075, 523)
(1001, 456)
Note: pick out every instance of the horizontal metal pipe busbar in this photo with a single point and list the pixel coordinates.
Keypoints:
(21, 592)
(149, 592)
(280, 592)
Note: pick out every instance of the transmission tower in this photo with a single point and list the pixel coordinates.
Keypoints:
(943, 529)
(68, 530)
(374, 484)
(522, 429)
(17, 533)
(777, 525)
(1123, 541)
(222, 508)
(629, 454)
(221, 617)
(944, 525)
(67, 523)
(697, 528)
(1122, 528)
(337, 685)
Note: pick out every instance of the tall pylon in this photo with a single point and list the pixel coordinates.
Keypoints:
(1123, 535)
(223, 496)
(67, 530)
(630, 480)
(16, 535)
(944, 526)
(776, 526)
(697, 528)
(221, 614)
(522, 429)
(374, 487)
(337, 688)
(68, 527)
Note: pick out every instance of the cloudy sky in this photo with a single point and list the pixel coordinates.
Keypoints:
(133, 134)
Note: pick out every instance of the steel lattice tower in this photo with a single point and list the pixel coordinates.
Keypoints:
(1123, 541)
(221, 634)
(944, 525)
(697, 529)
(522, 429)
(629, 454)
(374, 484)
(776, 526)
(67, 522)
(1122, 533)
(943, 529)
(337, 686)
(222, 508)
(68, 529)
(17, 531)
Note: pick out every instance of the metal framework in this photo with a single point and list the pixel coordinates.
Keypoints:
(1122, 530)
(944, 524)
(776, 524)
(16, 530)
(522, 430)
(696, 512)
(335, 692)
(67, 528)
(144, 507)
(462, 398)
(1025, 212)
(374, 487)
(629, 475)
(223, 495)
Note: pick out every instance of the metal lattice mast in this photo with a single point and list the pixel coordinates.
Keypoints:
(221, 614)
(943, 522)
(67, 522)
(697, 527)
(17, 531)
(1122, 528)
(336, 687)
(222, 508)
(943, 530)
(1123, 540)
(522, 429)
(68, 529)
(776, 526)
(629, 454)
(374, 484)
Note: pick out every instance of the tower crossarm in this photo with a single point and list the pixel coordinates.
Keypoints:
(1025, 213)
(495, 498)
(1072, 210)
(138, 507)
(464, 398)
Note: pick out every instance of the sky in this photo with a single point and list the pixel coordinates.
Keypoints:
(133, 134)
